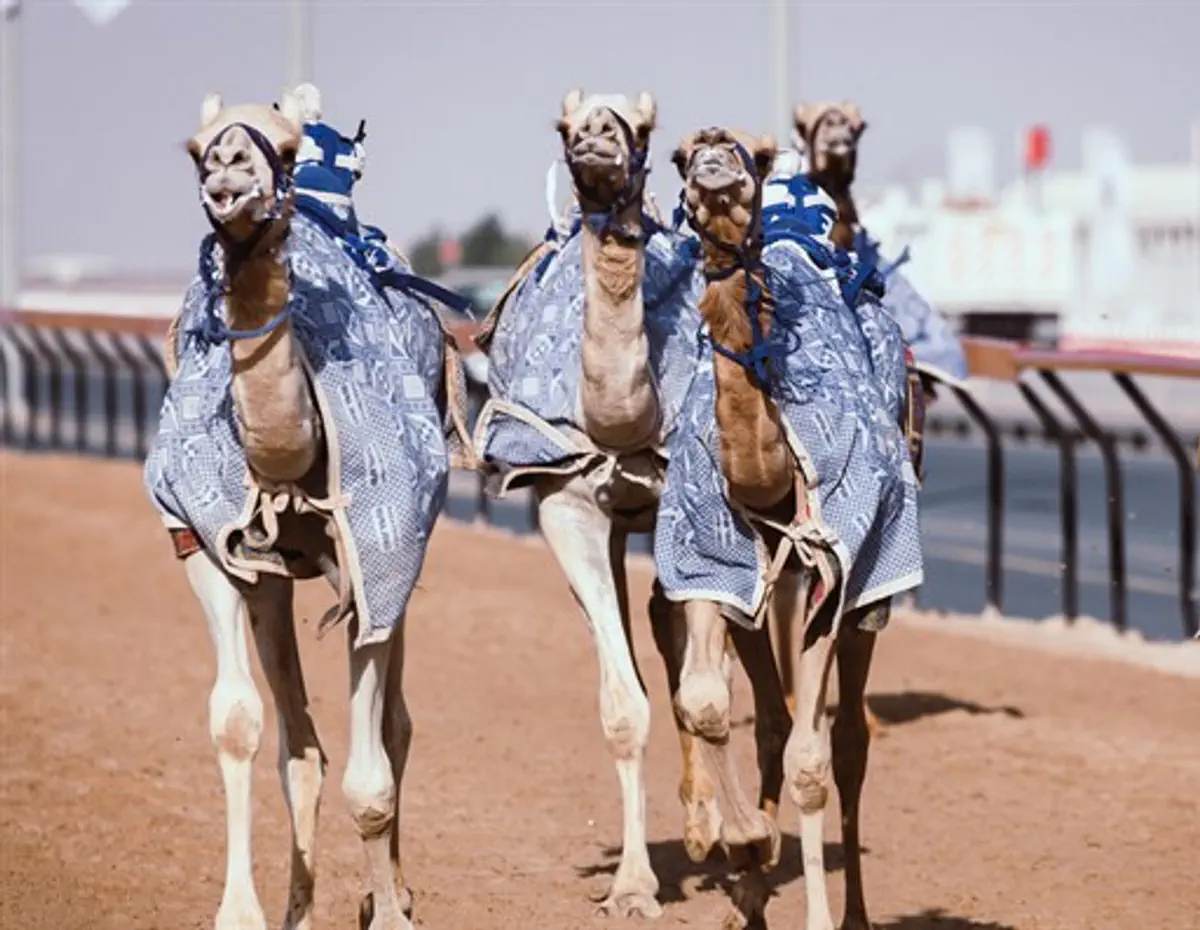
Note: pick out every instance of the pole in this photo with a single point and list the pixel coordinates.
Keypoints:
(10, 139)
(299, 63)
(781, 116)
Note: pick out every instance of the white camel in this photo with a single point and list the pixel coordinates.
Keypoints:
(278, 459)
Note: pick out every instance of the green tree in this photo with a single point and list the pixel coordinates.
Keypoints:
(425, 255)
(489, 243)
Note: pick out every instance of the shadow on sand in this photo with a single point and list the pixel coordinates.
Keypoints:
(673, 867)
(937, 919)
(910, 706)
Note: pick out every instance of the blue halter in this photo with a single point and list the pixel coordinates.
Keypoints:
(328, 167)
(747, 257)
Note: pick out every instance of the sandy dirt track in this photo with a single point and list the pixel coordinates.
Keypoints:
(1015, 788)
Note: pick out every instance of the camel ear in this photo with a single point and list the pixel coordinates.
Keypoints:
(309, 100)
(210, 109)
(679, 158)
(765, 151)
(571, 102)
(290, 109)
(805, 116)
(194, 150)
(854, 115)
(647, 109)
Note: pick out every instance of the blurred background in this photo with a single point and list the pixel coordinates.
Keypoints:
(1041, 161)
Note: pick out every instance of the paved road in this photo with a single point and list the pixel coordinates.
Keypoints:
(954, 528)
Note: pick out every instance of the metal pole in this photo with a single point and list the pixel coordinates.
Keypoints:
(10, 137)
(780, 103)
(299, 63)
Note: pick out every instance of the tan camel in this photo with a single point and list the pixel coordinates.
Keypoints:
(244, 156)
(829, 133)
(587, 510)
(605, 141)
(723, 173)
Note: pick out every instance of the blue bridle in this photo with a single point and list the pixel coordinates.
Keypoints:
(747, 257)
(607, 220)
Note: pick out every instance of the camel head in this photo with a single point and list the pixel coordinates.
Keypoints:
(830, 133)
(606, 141)
(723, 171)
(244, 156)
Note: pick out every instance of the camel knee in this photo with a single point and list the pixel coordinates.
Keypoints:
(704, 703)
(806, 762)
(370, 792)
(625, 717)
(235, 719)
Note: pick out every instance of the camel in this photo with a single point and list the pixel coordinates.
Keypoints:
(789, 463)
(591, 348)
(829, 134)
(275, 460)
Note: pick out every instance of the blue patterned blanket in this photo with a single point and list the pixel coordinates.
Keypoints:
(839, 382)
(377, 359)
(532, 423)
(934, 344)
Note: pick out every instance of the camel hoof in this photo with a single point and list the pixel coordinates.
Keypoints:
(240, 915)
(366, 912)
(765, 839)
(630, 904)
(749, 899)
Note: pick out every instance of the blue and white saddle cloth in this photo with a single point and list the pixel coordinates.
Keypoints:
(380, 371)
(838, 378)
(935, 347)
(532, 422)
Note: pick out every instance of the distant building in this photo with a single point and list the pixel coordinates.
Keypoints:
(1099, 257)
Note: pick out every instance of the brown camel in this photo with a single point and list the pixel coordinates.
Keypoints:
(723, 173)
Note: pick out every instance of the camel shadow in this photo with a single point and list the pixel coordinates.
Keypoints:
(673, 867)
(910, 706)
(937, 919)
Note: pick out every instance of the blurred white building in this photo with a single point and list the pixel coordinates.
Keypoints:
(1108, 256)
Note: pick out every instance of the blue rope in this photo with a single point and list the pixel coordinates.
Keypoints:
(211, 330)
(371, 254)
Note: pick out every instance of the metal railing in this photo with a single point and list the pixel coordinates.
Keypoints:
(64, 374)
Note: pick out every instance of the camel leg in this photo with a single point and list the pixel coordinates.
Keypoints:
(235, 722)
(851, 738)
(772, 722)
(369, 785)
(578, 534)
(781, 613)
(397, 739)
(807, 762)
(702, 817)
(704, 702)
(301, 760)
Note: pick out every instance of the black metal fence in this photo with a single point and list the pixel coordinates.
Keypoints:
(71, 386)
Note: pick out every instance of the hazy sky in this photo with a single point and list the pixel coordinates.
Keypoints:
(460, 97)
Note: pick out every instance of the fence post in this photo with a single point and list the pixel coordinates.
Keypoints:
(994, 596)
(1187, 499)
(1114, 493)
(1068, 503)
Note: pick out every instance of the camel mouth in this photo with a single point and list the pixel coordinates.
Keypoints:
(225, 205)
(839, 149)
(593, 155)
(717, 179)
